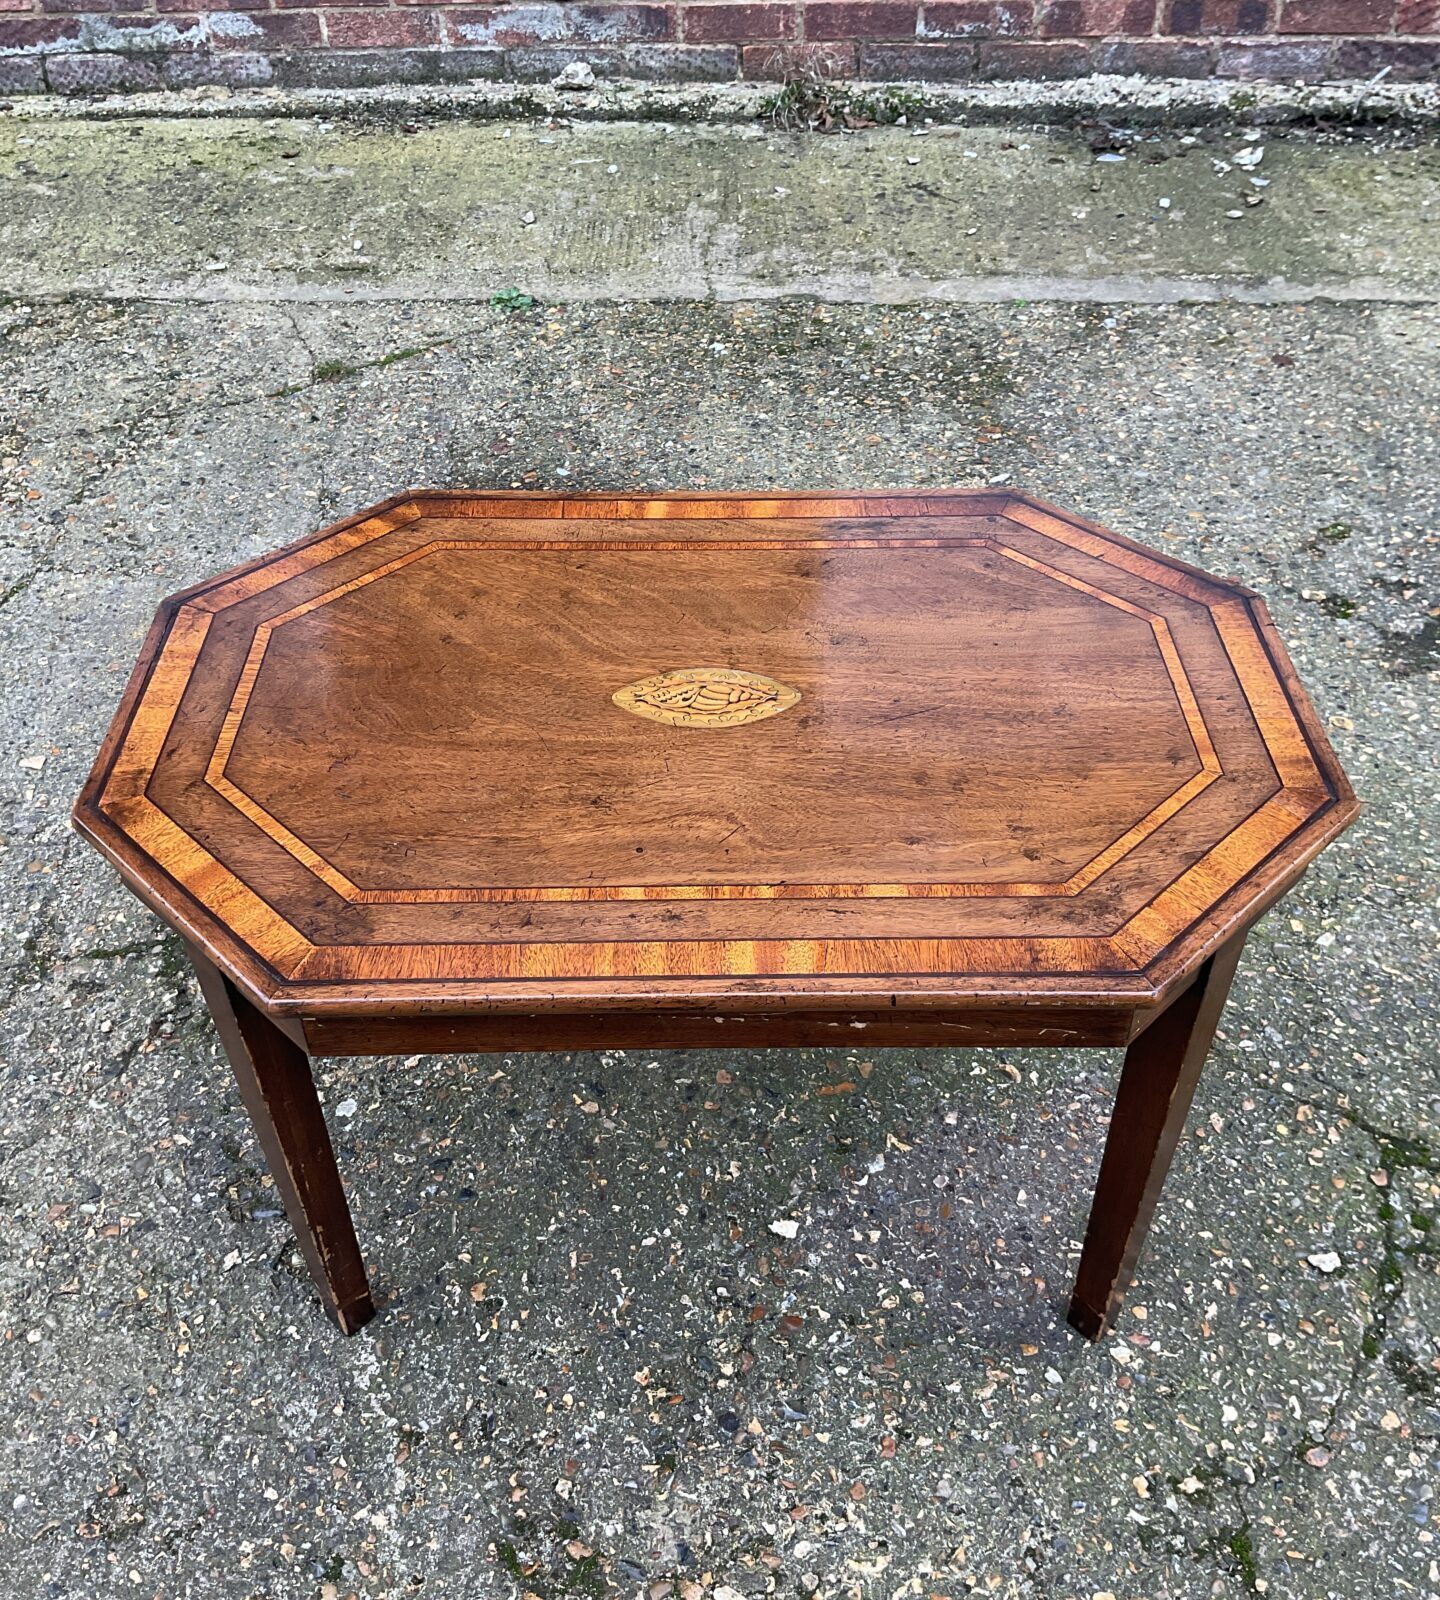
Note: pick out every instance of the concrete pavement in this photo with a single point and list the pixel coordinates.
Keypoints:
(598, 1371)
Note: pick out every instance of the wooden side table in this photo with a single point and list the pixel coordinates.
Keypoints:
(513, 772)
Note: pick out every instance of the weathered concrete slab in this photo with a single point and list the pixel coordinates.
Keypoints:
(598, 1370)
(301, 209)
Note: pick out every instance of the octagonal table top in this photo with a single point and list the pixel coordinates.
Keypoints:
(520, 751)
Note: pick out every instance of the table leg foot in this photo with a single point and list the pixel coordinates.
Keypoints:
(1157, 1084)
(279, 1092)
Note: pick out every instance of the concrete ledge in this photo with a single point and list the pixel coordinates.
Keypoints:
(1135, 101)
(294, 208)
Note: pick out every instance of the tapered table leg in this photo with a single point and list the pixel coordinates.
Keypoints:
(1157, 1083)
(279, 1093)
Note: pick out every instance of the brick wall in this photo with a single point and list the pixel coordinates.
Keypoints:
(87, 46)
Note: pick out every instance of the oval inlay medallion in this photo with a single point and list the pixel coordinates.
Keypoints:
(706, 697)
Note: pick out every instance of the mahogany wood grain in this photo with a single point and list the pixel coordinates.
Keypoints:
(684, 1030)
(1157, 1083)
(279, 1093)
(509, 771)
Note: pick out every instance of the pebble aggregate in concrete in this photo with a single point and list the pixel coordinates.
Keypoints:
(600, 1369)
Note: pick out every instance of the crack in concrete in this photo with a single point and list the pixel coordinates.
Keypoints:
(302, 341)
(123, 438)
(322, 372)
(19, 586)
(1389, 1280)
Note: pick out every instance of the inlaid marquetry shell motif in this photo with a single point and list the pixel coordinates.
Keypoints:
(706, 697)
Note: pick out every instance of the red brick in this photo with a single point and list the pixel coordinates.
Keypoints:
(1069, 19)
(540, 63)
(361, 30)
(679, 63)
(738, 24)
(99, 74)
(270, 31)
(774, 63)
(399, 40)
(860, 19)
(149, 33)
(1336, 16)
(235, 69)
(918, 63)
(1217, 16)
(1026, 59)
(511, 26)
(325, 69)
(25, 33)
(22, 75)
(654, 63)
(964, 19)
(1418, 16)
(1156, 58)
(359, 69)
(1404, 60)
(1275, 60)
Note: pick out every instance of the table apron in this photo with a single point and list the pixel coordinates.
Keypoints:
(1013, 1026)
